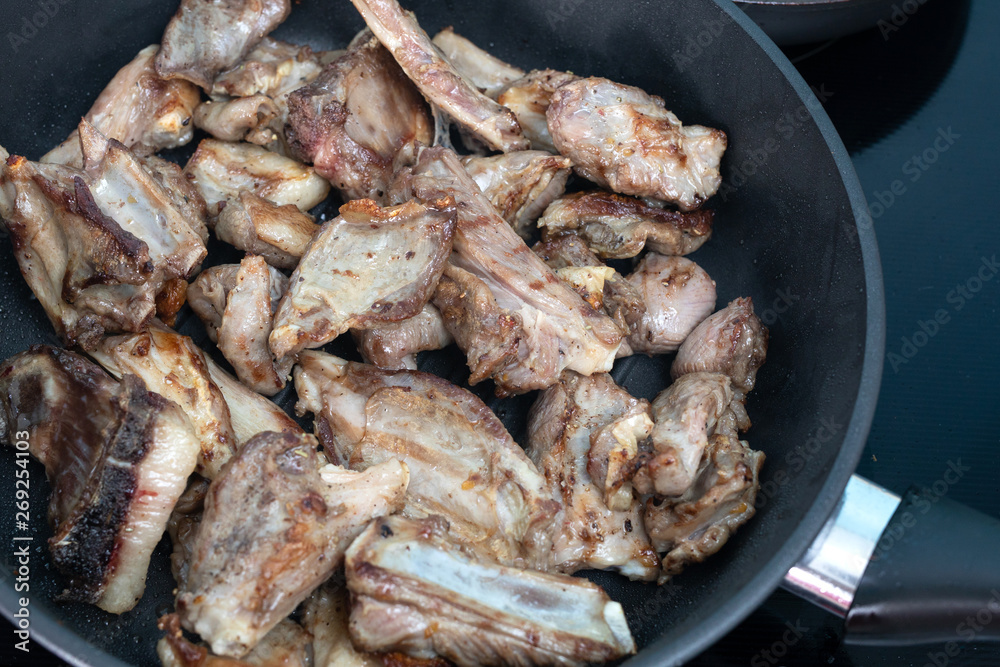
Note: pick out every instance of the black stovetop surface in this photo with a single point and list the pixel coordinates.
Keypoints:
(917, 109)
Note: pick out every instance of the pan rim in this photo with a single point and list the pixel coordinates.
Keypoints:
(60, 640)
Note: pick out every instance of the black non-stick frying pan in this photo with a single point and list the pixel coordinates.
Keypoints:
(791, 232)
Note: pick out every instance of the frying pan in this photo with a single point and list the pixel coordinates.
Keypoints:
(791, 232)
(802, 21)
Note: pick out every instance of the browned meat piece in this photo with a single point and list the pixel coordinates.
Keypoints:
(617, 227)
(125, 191)
(394, 346)
(732, 341)
(529, 98)
(40, 207)
(175, 367)
(620, 299)
(488, 334)
(117, 457)
(696, 525)
(221, 170)
(246, 323)
(239, 119)
(575, 427)
(415, 590)
(95, 246)
(623, 138)
(464, 464)
(678, 295)
(181, 192)
(520, 185)
(687, 414)
(139, 109)
(273, 68)
(436, 77)
(206, 37)
(237, 304)
(367, 266)
(359, 122)
(488, 74)
(275, 526)
(286, 645)
(557, 328)
(280, 234)
(208, 293)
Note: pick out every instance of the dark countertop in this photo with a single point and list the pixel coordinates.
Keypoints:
(894, 100)
(916, 109)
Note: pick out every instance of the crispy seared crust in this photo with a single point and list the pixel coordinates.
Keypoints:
(85, 548)
(618, 227)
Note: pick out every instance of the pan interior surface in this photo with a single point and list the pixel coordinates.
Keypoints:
(785, 234)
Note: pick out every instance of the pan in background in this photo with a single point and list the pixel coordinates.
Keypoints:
(790, 22)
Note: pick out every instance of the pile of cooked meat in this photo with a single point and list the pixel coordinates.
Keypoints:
(409, 527)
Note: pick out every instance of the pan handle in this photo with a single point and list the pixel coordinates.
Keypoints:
(920, 569)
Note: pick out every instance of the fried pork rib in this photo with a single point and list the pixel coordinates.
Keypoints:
(617, 227)
(368, 266)
(732, 341)
(172, 365)
(437, 79)
(139, 109)
(529, 98)
(623, 138)
(520, 185)
(204, 37)
(687, 414)
(464, 464)
(678, 295)
(96, 246)
(266, 76)
(126, 192)
(273, 68)
(359, 122)
(583, 434)
(696, 525)
(545, 325)
(117, 457)
(394, 346)
(487, 73)
(241, 119)
(619, 298)
(417, 591)
(286, 645)
(280, 234)
(275, 526)
(246, 325)
(209, 293)
(221, 170)
(249, 297)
